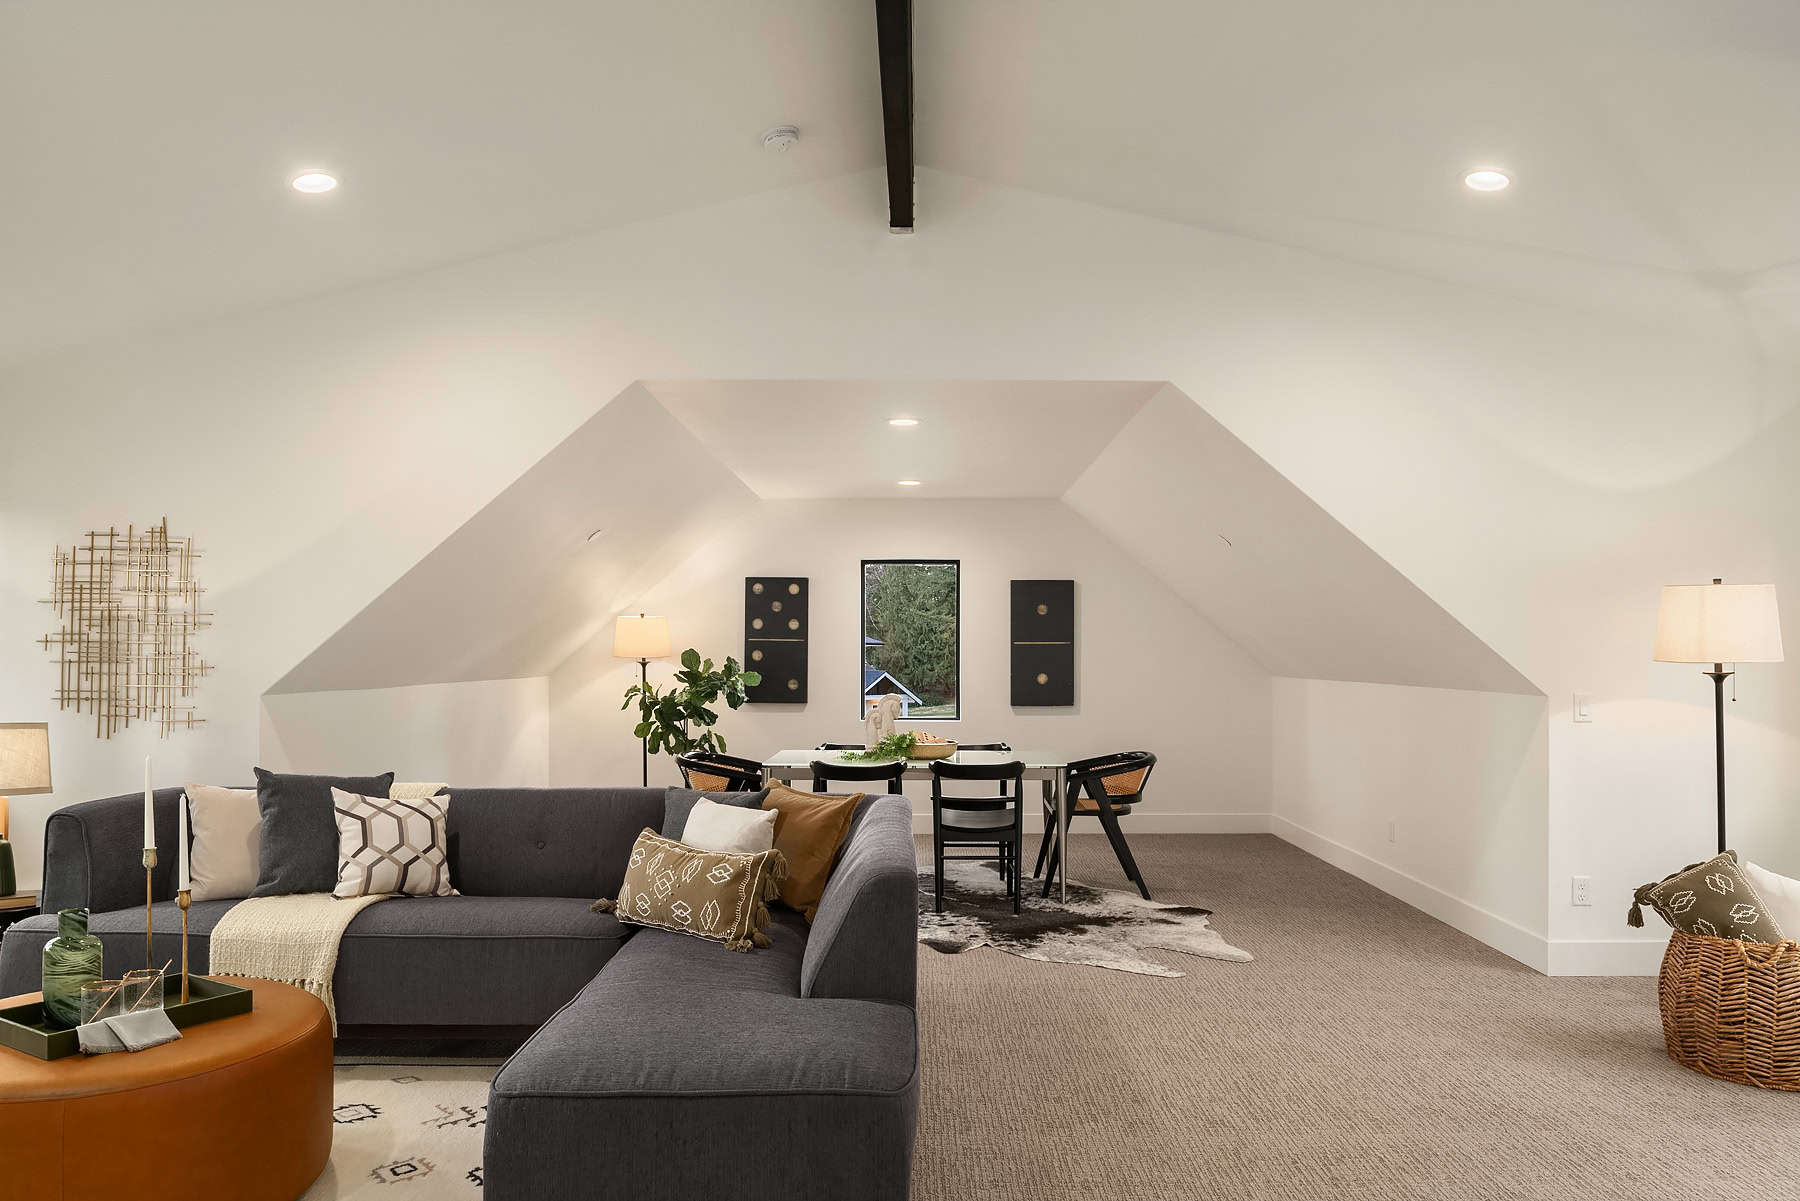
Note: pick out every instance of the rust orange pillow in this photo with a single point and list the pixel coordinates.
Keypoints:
(809, 829)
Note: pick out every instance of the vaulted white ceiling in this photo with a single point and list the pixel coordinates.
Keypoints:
(1655, 143)
(814, 439)
(518, 588)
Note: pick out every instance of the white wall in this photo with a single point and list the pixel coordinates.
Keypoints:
(480, 733)
(1459, 777)
(1537, 470)
(1151, 673)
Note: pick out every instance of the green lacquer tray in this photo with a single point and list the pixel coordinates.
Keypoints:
(22, 1026)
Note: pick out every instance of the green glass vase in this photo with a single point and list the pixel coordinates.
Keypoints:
(71, 959)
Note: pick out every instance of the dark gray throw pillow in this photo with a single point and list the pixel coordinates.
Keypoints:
(679, 802)
(299, 829)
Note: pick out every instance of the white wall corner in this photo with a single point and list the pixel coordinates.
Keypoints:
(1509, 938)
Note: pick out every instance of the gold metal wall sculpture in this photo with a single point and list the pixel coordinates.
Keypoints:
(128, 607)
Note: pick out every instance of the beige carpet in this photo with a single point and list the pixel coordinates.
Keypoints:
(1369, 1054)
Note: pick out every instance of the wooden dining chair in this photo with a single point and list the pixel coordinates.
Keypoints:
(824, 773)
(1113, 784)
(996, 820)
(709, 771)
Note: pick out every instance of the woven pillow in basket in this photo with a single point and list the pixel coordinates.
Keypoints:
(1713, 898)
(719, 895)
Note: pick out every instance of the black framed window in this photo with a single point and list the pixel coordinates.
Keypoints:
(912, 636)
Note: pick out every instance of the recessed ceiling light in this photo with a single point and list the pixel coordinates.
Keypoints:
(1487, 180)
(903, 421)
(314, 181)
(908, 483)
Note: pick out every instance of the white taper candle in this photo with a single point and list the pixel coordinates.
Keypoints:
(181, 843)
(149, 809)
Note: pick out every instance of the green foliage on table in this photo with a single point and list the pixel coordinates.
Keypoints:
(894, 746)
(911, 608)
(667, 718)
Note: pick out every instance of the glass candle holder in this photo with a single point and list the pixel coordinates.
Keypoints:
(138, 990)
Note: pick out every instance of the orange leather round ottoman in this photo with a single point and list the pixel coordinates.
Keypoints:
(238, 1108)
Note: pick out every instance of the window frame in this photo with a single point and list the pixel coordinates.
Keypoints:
(862, 628)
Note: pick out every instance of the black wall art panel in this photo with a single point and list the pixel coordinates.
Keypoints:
(775, 632)
(1043, 643)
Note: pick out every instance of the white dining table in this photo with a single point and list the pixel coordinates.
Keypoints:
(790, 765)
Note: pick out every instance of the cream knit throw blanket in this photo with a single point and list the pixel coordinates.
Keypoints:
(292, 940)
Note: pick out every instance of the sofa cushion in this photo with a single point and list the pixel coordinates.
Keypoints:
(469, 961)
(409, 961)
(299, 829)
(546, 842)
(391, 845)
(649, 1025)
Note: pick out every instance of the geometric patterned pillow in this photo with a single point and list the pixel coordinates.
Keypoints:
(717, 895)
(1713, 898)
(391, 846)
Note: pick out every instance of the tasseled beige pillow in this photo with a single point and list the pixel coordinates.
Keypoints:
(720, 895)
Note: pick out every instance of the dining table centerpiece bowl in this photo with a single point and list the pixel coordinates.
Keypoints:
(930, 746)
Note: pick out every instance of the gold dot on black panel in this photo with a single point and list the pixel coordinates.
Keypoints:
(756, 588)
(775, 606)
(793, 590)
(1043, 609)
(756, 656)
(793, 623)
(756, 623)
(793, 685)
(1042, 678)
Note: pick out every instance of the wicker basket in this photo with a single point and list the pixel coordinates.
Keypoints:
(1731, 1009)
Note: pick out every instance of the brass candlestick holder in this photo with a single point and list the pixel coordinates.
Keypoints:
(184, 898)
(149, 899)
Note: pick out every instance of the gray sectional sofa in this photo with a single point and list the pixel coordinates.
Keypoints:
(657, 1065)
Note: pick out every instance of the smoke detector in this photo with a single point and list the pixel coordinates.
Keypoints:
(781, 139)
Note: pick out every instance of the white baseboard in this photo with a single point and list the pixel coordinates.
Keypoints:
(1606, 956)
(1505, 936)
(1144, 822)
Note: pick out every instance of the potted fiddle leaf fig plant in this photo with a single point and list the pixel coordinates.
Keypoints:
(682, 717)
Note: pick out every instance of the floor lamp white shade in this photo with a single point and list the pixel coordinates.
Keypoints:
(640, 636)
(1718, 623)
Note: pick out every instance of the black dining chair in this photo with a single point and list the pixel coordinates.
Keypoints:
(1113, 783)
(824, 773)
(996, 820)
(710, 771)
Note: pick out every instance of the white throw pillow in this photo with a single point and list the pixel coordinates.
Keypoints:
(227, 841)
(392, 847)
(1780, 896)
(715, 827)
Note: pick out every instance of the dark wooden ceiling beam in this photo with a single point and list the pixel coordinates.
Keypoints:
(893, 30)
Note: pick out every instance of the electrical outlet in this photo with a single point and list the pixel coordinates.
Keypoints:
(1393, 830)
(1579, 890)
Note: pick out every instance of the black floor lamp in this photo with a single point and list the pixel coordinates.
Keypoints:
(1719, 623)
(643, 638)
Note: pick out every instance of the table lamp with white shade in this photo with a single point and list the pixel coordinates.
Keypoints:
(641, 637)
(24, 771)
(1719, 623)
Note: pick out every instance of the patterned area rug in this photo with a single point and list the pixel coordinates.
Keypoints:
(1099, 927)
(405, 1131)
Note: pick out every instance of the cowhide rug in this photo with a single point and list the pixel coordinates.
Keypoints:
(1099, 927)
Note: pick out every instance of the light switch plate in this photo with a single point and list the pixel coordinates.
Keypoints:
(1584, 706)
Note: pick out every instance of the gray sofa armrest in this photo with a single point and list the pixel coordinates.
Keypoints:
(864, 939)
(93, 853)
